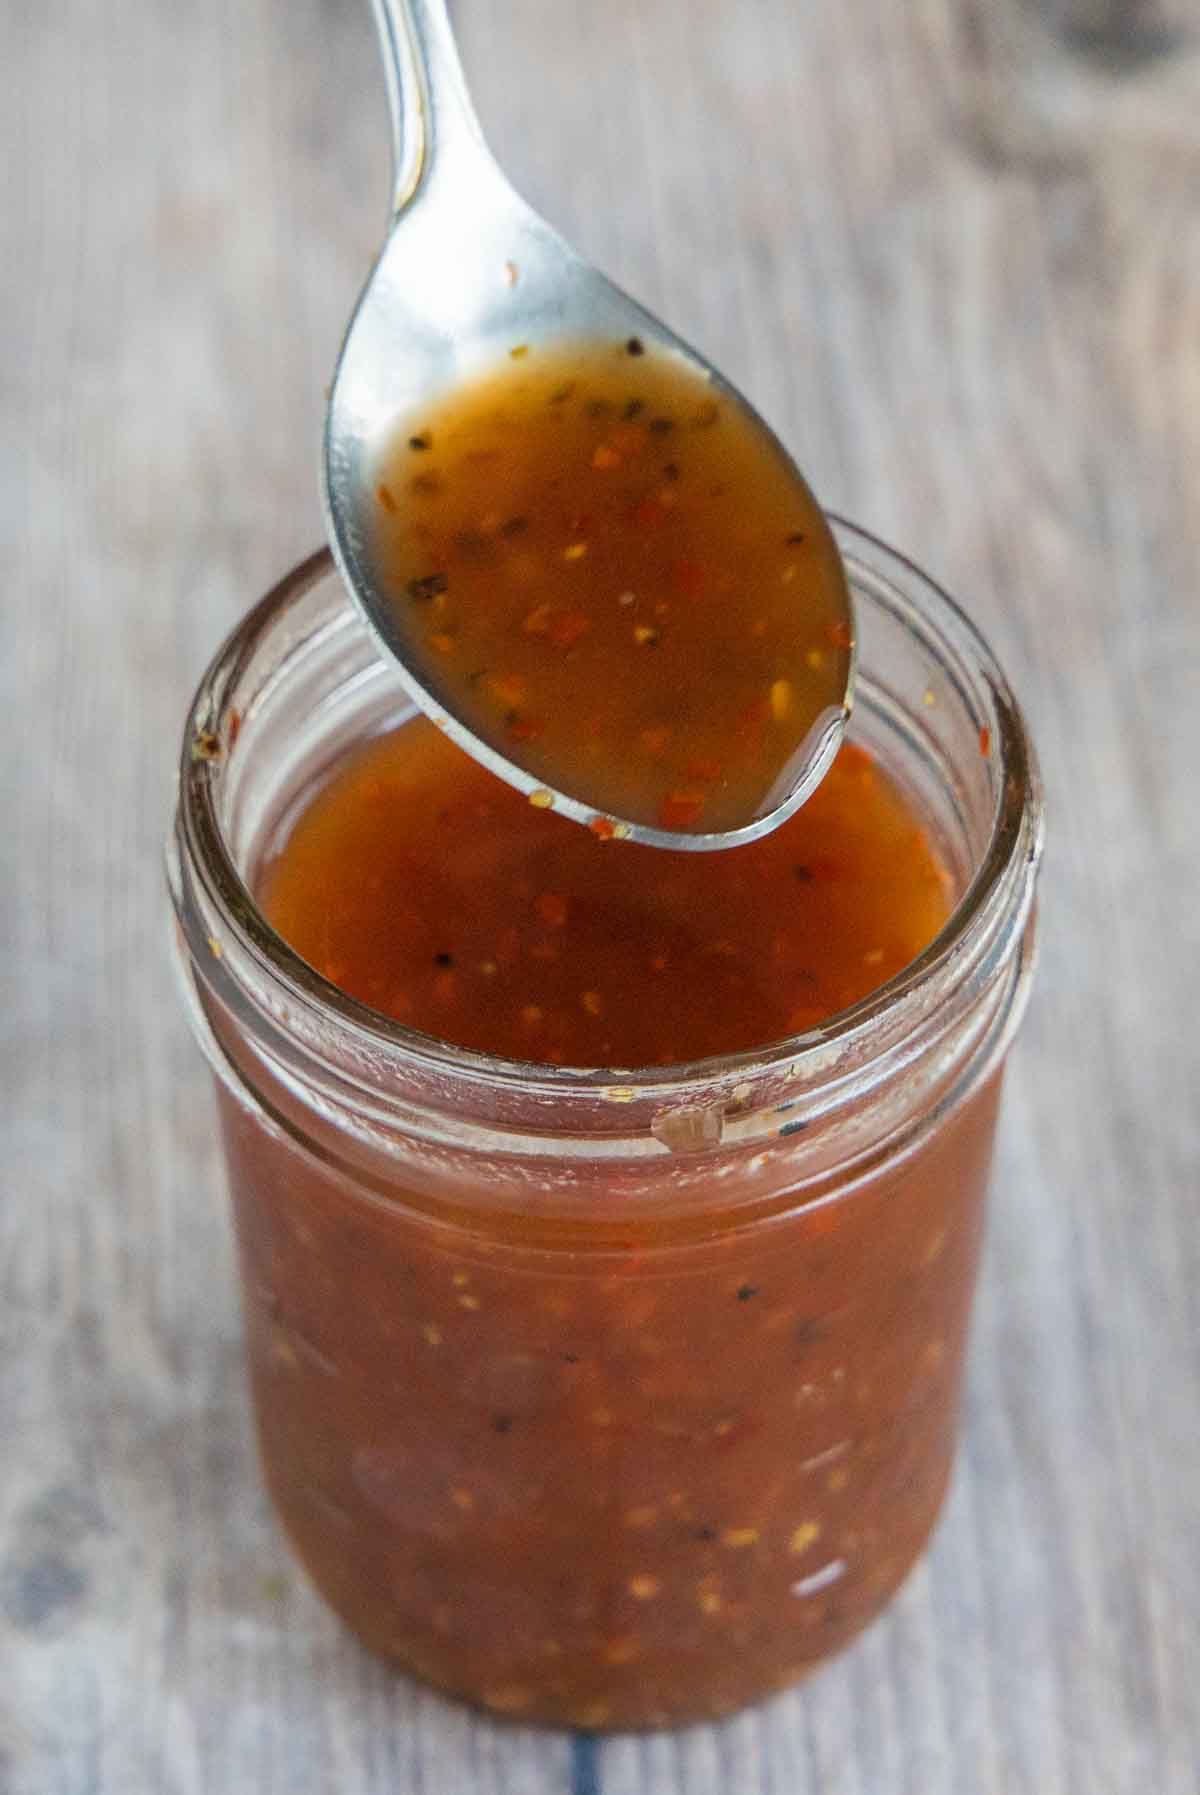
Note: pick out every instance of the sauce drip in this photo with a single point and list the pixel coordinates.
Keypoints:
(427, 888)
(602, 566)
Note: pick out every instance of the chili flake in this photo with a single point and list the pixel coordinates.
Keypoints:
(553, 908)
(566, 628)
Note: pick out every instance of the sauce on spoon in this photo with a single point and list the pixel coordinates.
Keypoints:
(609, 573)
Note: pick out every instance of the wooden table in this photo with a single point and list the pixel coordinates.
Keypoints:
(953, 249)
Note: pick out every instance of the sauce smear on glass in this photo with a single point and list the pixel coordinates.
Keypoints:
(604, 569)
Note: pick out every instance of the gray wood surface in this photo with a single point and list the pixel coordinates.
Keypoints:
(953, 248)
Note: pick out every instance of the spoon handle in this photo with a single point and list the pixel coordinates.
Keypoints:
(433, 119)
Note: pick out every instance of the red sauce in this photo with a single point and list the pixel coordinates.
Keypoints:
(428, 889)
(622, 1473)
(613, 577)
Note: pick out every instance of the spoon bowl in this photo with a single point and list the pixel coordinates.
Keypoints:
(467, 271)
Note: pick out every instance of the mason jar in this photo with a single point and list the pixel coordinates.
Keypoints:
(598, 1398)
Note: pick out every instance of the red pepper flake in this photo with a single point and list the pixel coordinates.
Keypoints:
(838, 633)
(649, 514)
(603, 828)
(566, 627)
(235, 726)
(985, 741)
(553, 908)
(384, 495)
(680, 809)
(687, 578)
(606, 456)
(538, 621)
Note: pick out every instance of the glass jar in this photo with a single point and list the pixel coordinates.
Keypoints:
(597, 1398)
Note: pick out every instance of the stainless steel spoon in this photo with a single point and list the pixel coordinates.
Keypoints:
(468, 269)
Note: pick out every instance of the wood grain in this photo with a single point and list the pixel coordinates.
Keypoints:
(953, 248)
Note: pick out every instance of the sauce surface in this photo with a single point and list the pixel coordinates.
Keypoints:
(605, 569)
(430, 890)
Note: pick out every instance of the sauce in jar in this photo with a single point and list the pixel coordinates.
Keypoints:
(597, 1398)
(637, 1490)
(425, 887)
(605, 569)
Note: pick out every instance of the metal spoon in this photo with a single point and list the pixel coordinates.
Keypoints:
(439, 306)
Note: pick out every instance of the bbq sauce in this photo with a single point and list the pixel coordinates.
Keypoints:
(606, 569)
(435, 893)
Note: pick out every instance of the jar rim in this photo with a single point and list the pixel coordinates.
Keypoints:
(1010, 858)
